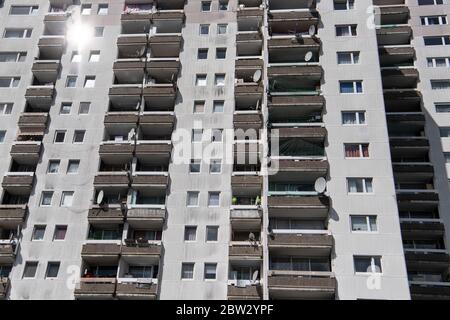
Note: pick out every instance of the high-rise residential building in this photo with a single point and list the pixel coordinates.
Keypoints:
(224, 149)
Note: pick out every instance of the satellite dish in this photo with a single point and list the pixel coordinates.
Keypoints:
(255, 275)
(320, 185)
(257, 75)
(251, 236)
(131, 134)
(100, 197)
(308, 56)
(312, 30)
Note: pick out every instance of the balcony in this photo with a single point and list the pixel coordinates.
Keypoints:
(247, 121)
(21, 182)
(12, 215)
(399, 78)
(132, 45)
(129, 71)
(246, 182)
(118, 151)
(26, 151)
(301, 287)
(142, 251)
(96, 288)
(40, 95)
(249, 43)
(165, 46)
(150, 180)
(146, 217)
(136, 290)
(396, 56)
(283, 102)
(316, 133)
(100, 252)
(162, 95)
(46, 71)
(429, 290)
(303, 169)
(98, 215)
(4, 287)
(245, 252)
(7, 252)
(427, 260)
(249, 19)
(51, 47)
(245, 217)
(159, 124)
(33, 123)
(283, 22)
(417, 196)
(163, 70)
(113, 119)
(413, 170)
(136, 21)
(417, 229)
(251, 292)
(306, 207)
(394, 35)
(304, 243)
(125, 97)
(111, 179)
(154, 148)
(393, 15)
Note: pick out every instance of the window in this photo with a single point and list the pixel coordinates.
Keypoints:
(38, 233)
(433, 20)
(212, 233)
(437, 41)
(94, 56)
(344, 4)
(367, 264)
(221, 53)
(190, 233)
(13, 56)
(210, 271)
(215, 166)
(445, 132)
(71, 81)
(197, 135)
(216, 135)
(200, 80)
(194, 166)
(204, 29)
(218, 106)
(72, 166)
(199, 106)
(219, 79)
(353, 118)
(65, 108)
(86, 9)
(60, 233)
(347, 87)
(438, 62)
(206, 6)
(346, 30)
(66, 199)
(442, 107)
(52, 270)
(17, 33)
(364, 223)
(202, 54)
(46, 198)
(89, 82)
(30, 269)
(9, 82)
(6, 108)
(23, 10)
(430, 2)
(76, 56)
(59, 136)
(98, 32)
(348, 57)
(84, 107)
(440, 84)
(213, 199)
(187, 270)
(102, 9)
(2, 136)
(356, 150)
(192, 198)
(53, 166)
(223, 5)
(222, 28)
(78, 136)
(359, 185)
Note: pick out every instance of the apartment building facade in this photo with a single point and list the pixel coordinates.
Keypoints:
(224, 149)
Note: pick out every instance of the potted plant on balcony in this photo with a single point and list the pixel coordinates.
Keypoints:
(234, 201)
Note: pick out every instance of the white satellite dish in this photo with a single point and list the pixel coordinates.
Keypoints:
(251, 236)
(131, 134)
(320, 185)
(100, 197)
(257, 75)
(255, 276)
(308, 56)
(312, 30)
